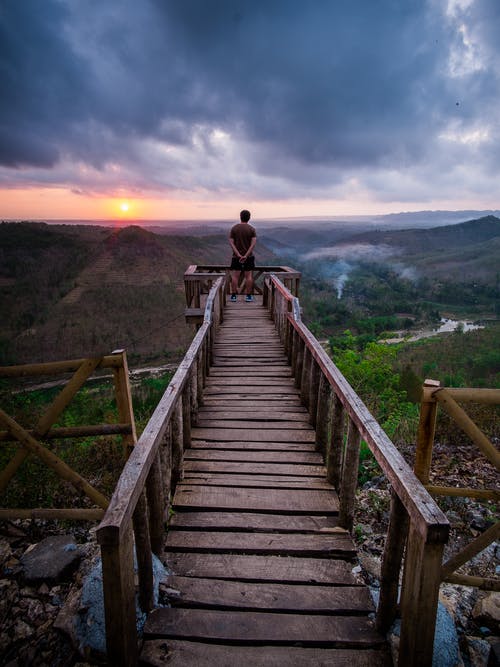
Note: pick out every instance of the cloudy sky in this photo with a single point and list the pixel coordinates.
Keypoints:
(197, 108)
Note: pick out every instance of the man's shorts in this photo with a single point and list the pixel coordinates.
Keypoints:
(248, 265)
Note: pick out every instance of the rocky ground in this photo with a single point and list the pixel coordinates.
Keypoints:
(34, 616)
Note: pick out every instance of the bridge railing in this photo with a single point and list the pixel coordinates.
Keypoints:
(448, 398)
(198, 281)
(137, 511)
(416, 522)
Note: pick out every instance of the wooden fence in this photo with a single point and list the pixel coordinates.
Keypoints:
(434, 395)
(30, 440)
(341, 421)
(137, 511)
(198, 280)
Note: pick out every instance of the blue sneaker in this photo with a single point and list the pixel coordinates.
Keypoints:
(249, 297)
(233, 297)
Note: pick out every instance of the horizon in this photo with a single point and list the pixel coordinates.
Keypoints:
(153, 111)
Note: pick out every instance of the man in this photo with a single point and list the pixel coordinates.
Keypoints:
(242, 239)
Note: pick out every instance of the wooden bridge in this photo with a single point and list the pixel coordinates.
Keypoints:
(256, 440)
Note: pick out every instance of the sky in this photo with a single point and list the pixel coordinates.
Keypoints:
(194, 109)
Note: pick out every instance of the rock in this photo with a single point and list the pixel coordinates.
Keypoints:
(479, 651)
(487, 612)
(52, 559)
(459, 601)
(371, 565)
(494, 658)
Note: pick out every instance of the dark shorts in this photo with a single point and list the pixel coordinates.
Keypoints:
(249, 265)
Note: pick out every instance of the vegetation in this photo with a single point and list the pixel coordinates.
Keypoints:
(99, 460)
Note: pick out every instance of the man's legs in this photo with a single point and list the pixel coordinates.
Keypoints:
(249, 282)
(235, 276)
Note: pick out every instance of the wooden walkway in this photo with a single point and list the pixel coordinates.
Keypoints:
(260, 572)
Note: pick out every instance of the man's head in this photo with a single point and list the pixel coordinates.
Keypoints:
(245, 216)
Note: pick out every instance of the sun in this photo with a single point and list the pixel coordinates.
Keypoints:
(124, 207)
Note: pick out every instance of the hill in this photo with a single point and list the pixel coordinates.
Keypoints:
(76, 290)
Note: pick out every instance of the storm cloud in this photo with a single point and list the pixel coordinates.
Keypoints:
(277, 99)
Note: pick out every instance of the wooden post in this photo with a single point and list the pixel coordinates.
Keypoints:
(124, 400)
(336, 449)
(419, 600)
(391, 564)
(295, 351)
(299, 361)
(193, 391)
(155, 488)
(200, 378)
(349, 477)
(186, 416)
(306, 376)
(166, 464)
(323, 415)
(425, 433)
(143, 554)
(177, 444)
(313, 391)
(117, 553)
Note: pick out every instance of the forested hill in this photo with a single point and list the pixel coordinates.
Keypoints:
(76, 290)
(416, 241)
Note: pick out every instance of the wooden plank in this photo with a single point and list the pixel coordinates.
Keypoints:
(239, 567)
(248, 390)
(253, 456)
(175, 653)
(337, 545)
(242, 382)
(259, 597)
(204, 465)
(251, 627)
(268, 416)
(255, 446)
(260, 481)
(246, 424)
(253, 403)
(250, 499)
(224, 434)
(252, 521)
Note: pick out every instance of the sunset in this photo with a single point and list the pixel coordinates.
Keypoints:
(190, 111)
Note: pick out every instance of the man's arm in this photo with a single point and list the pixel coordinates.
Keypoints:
(234, 248)
(250, 249)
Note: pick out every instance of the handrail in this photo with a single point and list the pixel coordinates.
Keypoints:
(137, 507)
(415, 517)
(433, 394)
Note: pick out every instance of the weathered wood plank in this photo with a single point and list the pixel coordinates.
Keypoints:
(250, 627)
(272, 390)
(255, 445)
(238, 567)
(264, 415)
(250, 468)
(252, 456)
(278, 597)
(337, 545)
(245, 424)
(260, 481)
(250, 499)
(176, 653)
(252, 521)
(224, 434)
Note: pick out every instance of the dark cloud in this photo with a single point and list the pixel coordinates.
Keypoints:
(310, 85)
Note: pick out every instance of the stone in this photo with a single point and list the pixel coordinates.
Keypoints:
(479, 651)
(52, 559)
(494, 657)
(487, 612)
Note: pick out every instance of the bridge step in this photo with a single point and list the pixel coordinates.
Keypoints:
(260, 571)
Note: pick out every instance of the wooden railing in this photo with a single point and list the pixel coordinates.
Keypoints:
(30, 439)
(433, 395)
(198, 280)
(138, 507)
(342, 420)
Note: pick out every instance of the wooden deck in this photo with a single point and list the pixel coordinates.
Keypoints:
(260, 572)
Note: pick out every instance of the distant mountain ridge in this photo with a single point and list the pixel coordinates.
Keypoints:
(415, 241)
(76, 290)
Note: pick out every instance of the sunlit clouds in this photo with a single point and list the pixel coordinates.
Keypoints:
(195, 110)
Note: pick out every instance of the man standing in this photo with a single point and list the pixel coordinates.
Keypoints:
(242, 239)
